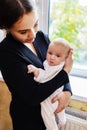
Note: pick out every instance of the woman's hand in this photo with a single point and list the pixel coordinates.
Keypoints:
(69, 62)
(63, 100)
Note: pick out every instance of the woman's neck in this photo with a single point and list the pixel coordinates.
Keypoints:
(31, 47)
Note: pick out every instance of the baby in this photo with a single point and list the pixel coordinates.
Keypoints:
(57, 53)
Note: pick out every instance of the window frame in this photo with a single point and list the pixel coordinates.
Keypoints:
(77, 71)
(44, 6)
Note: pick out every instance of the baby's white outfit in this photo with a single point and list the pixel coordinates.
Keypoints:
(48, 108)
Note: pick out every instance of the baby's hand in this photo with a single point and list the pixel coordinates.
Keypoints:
(31, 68)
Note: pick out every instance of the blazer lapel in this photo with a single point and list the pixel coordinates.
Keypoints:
(29, 56)
(24, 52)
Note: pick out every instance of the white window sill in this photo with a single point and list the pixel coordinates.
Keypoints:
(79, 88)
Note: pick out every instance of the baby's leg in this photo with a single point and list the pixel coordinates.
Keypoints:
(61, 118)
(48, 115)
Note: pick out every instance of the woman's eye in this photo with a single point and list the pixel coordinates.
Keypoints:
(22, 32)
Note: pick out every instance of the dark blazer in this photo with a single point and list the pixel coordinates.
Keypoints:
(26, 93)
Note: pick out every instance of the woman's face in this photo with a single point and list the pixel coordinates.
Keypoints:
(24, 30)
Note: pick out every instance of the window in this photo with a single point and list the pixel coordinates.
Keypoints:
(51, 22)
(68, 20)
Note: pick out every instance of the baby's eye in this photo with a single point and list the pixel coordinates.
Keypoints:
(50, 53)
(58, 55)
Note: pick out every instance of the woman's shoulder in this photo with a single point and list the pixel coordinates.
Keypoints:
(6, 41)
(41, 35)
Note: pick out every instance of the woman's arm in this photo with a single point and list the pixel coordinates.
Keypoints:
(63, 98)
(23, 85)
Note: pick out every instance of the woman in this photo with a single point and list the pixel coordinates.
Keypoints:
(24, 45)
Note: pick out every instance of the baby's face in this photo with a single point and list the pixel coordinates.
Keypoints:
(55, 54)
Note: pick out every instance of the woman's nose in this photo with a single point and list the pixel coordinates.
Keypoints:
(31, 33)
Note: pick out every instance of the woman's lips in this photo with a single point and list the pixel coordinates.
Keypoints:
(29, 40)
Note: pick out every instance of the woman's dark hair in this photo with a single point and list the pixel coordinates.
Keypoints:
(12, 10)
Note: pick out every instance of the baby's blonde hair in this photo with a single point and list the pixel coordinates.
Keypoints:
(63, 43)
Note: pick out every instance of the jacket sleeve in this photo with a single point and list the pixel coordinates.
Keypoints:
(67, 87)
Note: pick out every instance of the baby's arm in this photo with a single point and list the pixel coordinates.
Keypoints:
(41, 75)
(34, 70)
